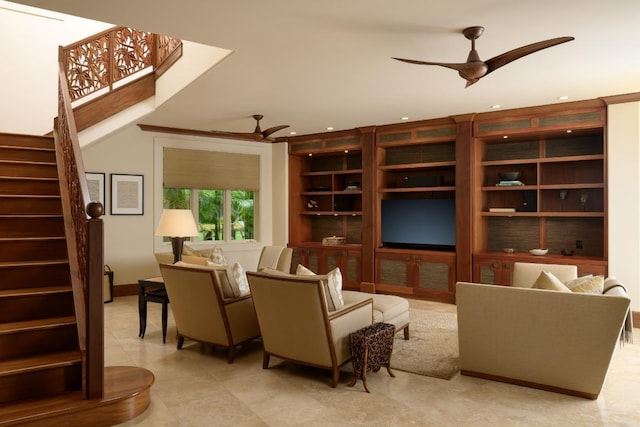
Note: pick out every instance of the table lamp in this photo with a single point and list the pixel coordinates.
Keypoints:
(177, 224)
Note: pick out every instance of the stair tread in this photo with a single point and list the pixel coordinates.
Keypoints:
(39, 238)
(37, 324)
(39, 362)
(36, 263)
(27, 178)
(121, 383)
(42, 290)
(27, 162)
(27, 216)
(23, 147)
(30, 196)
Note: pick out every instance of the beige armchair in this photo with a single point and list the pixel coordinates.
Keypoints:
(202, 314)
(295, 324)
(276, 258)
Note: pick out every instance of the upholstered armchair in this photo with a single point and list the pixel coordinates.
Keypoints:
(296, 325)
(202, 313)
(275, 258)
(525, 274)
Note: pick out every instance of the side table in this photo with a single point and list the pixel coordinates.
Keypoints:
(152, 289)
(371, 348)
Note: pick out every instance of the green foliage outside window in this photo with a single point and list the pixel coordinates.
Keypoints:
(211, 211)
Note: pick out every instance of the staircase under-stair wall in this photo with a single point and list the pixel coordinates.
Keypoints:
(42, 368)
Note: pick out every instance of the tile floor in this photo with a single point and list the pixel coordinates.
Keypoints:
(196, 387)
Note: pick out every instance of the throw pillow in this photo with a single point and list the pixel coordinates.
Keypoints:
(587, 284)
(301, 270)
(217, 257)
(334, 278)
(229, 287)
(189, 251)
(550, 282)
(238, 275)
(332, 283)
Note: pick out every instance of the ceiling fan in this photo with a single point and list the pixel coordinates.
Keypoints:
(474, 69)
(257, 134)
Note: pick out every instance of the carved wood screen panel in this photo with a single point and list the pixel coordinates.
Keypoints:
(96, 63)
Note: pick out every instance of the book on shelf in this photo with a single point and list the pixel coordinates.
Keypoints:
(509, 184)
(502, 209)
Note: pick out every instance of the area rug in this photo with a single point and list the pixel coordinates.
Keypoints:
(432, 349)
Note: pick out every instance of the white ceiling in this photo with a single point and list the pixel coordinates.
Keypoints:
(314, 64)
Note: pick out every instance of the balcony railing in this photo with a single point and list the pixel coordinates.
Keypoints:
(100, 63)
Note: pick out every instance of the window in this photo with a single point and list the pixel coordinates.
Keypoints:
(220, 188)
(209, 209)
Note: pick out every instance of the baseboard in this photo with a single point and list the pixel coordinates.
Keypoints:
(545, 387)
(125, 290)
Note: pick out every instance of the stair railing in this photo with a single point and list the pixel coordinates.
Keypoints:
(99, 62)
(84, 242)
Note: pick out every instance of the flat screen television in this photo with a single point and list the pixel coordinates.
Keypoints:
(428, 224)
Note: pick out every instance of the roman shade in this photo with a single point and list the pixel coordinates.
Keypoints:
(210, 170)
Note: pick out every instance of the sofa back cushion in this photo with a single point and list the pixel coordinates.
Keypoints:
(525, 274)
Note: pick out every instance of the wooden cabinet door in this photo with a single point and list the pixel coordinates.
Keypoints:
(493, 271)
(434, 276)
(394, 272)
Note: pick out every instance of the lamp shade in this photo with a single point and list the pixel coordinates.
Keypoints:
(177, 223)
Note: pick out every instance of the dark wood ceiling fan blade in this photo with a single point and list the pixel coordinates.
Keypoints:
(510, 56)
(249, 136)
(267, 132)
(456, 67)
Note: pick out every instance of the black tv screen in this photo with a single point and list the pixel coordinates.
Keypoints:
(419, 223)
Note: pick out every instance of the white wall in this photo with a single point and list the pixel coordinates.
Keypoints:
(30, 64)
(129, 240)
(623, 165)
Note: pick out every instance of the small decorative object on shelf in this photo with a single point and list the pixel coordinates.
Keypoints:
(538, 251)
(508, 250)
(312, 204)
(333, 241)
(563, 197)
(583, 201)
(567, 252)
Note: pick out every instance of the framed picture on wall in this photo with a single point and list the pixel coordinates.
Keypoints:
(127, 194)
(96, 184)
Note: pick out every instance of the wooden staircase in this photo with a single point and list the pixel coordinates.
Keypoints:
(42, 372)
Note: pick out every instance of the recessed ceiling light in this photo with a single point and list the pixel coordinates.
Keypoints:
(563, 97)
(329, 128)
(293, 132)
(404, 118)
(495, 106)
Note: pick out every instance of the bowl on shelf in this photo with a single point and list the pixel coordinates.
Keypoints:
(508, 250)
(567, 252)
(509, 176)
(538, 251)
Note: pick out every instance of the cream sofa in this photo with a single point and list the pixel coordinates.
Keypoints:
(556, 341)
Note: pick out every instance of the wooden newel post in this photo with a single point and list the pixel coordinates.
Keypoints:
(95, 301)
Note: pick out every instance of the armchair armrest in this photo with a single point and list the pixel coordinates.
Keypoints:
(349, 319)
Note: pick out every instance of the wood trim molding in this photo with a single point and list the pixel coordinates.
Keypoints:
(125, 290)
(621, 99)
(635, 315)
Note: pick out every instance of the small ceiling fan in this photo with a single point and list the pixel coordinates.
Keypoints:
(474, 69)
(257, 134)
